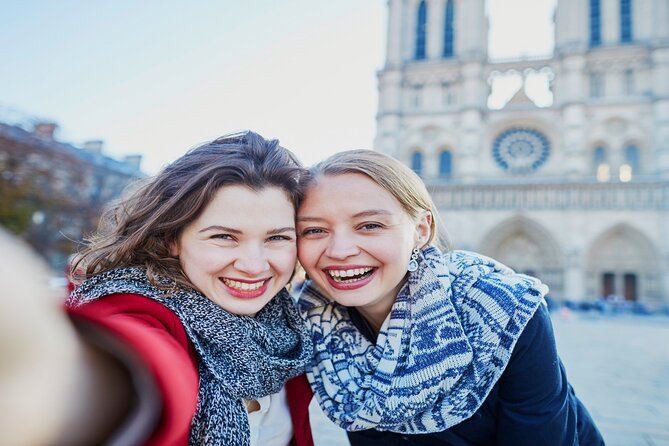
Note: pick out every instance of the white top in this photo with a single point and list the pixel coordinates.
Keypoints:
(271, 425)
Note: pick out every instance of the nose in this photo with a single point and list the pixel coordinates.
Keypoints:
(341, 246)
(252, 261)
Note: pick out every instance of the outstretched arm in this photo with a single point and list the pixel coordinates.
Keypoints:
(54, 387)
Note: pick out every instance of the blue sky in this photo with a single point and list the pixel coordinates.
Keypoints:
(158, 77)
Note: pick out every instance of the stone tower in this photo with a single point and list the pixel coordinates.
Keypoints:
(574, 190)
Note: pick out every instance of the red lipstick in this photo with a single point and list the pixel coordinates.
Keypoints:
(245, 294)
(344, 286)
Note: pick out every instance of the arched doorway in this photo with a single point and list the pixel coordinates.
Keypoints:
(623, 264)
(528, 248)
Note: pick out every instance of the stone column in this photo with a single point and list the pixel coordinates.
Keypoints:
(394, 34)
(431, 161)
(577, 162)
(659, 17)
(664, 249)
(571, 26)
(388, 120)
(435, 28)
(574, 274)
(471, 29)
(660, 84)
(471, 141)
(610, 16)
(569, 84)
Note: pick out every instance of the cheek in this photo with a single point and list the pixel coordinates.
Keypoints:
(285, 260)
(395, 255)
(306, 254)
(202, 260)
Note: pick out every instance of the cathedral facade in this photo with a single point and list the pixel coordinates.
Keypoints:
(574, 190)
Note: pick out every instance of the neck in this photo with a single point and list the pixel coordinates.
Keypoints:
(377, 314)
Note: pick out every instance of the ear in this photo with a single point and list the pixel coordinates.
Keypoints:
(423, 229)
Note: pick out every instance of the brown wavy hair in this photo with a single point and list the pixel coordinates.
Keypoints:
(139, 230)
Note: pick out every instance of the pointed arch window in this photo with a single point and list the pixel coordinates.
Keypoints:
(631, 165)
(596, 85)
(625, 21)
(448, 29)
(448, 94)
(421, 31)
(600, 164)
(595, 23)
(445, 164)
(628, 81)
(632, 157)
(417, 162)
(599, 156)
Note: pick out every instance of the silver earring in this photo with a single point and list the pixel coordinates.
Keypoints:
(413, 262)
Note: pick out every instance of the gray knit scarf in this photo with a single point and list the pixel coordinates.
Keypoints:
(446, 342)
(239, 356)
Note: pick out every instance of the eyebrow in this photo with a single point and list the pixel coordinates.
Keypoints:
(369, 213)
(281, 230)
(237, 231)
(372, 213)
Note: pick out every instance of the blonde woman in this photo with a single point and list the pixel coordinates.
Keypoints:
(416, 345)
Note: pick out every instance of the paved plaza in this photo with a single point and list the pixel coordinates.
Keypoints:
(619, 366)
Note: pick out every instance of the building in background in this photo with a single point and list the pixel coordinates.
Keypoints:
(52, 193)
(575, 191)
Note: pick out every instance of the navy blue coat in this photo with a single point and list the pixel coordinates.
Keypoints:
(532, 403)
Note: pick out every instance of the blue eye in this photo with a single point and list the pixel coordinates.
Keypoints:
(312, 231)
(280, 238)
(371, 226)
(222, 237)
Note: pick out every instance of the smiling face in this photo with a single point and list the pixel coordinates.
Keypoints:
(241, 250)
(355, 241)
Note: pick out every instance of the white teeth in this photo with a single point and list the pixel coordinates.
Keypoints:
(243, 286)
(348, 272)
(340, 275)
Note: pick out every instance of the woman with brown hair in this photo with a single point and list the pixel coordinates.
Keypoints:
(186, 332)
(416, 344)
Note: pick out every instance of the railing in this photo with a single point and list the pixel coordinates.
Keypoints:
(520, 64)
(619, 196)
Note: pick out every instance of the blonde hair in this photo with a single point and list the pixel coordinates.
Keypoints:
(396, 178)
(140, 229)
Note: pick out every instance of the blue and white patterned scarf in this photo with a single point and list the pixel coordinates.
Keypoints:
(447, 341)
(240, 357)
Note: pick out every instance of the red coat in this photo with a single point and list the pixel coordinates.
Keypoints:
(157, 336)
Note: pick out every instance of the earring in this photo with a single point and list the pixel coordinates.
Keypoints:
(413, 262)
